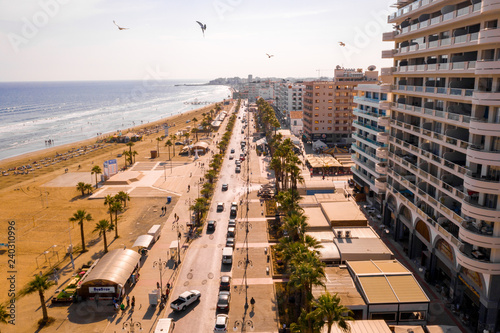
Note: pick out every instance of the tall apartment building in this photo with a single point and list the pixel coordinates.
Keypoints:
(288, 98)
(371, 135)
(443, 176)
(328, 105)
(264, 89)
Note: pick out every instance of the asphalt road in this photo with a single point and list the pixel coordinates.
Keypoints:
(202, 265)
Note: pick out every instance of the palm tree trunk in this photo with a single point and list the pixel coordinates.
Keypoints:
(116, 224)
(44, 307)
(83, 236)
(110, 215)
(96, 180)
(105, 241)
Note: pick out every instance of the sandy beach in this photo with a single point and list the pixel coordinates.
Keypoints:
(41, 213)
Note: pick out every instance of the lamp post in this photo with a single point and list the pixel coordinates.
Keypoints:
(176, 225)
(70, 248)
(130, 326)
(161, 265)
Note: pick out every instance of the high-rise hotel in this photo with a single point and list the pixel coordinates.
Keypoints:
(437, 177)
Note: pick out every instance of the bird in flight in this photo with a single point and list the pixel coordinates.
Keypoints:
(341, 43)
(269, 55)
(203, 27)
(120, 28)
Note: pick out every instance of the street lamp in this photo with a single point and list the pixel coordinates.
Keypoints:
(161, 265)
(176, 225)
(130, 326)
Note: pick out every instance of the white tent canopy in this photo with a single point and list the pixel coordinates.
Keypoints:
(143, 241)
(261, 141)
(319, 144)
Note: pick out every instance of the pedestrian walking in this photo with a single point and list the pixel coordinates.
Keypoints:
(122, 307)
(128, 301)
(157, 285)
(252, 302)
(133, 302)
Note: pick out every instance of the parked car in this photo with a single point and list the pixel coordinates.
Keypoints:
(221, 322)
(185, 299)
(232, 150)
(230, 242)
(225, 187)
(223, 301)
(211, 225)
(220, 206)
(225, 282)
(237, 162)
(231, 157)
(237, 169)
(233, 212)
(231, 223)
(231, 232)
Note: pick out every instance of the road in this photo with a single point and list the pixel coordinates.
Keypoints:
(202, 265)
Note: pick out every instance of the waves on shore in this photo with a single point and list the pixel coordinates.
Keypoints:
(65, 112)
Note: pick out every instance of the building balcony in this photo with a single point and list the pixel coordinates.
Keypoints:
(489, 36)
(483, 184)
(383, 137)
(486, 98)
(382, 152)
(482, 127)
(442, 68)
(381, 183)
(472, 208)
(487, 67)
(381, 168)
(437, 115)
(367, 128)
(384, 105)
(439, 21)
(384, 121)
(483, 266)
(437, 92)
(483, 237)
(367, 141)
(387, 71)
(388, 54)
(389, 36)
(441, 45)
(479, 155)
(372, 157)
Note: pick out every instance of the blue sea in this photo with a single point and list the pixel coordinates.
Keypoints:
(32, 113)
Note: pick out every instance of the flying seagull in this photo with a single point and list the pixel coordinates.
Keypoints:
(269, 55)
(120, 28)
(203, 27)
(341, 43)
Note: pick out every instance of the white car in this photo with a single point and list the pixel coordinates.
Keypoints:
(221, 323)
(185, 299)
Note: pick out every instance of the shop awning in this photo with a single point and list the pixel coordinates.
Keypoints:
(143, 241)
(261, 141)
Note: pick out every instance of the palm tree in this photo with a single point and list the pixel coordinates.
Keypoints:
(115, 208)
(211, 175)
(101, 228)
(80, 216)
(195, 131)
(89, 188)
(39, 284)
(123, 197)
(306, 271)
(130, 145)
(108, 200)
(330, 311)
(126, 155)
(199, 208)
(296, 226)
(158, 139)
(81, 187)
(4, 314)
(133, 154)
(169, 144)
(173, 137)
(96, 170)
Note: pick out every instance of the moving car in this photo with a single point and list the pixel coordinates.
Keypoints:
(185, 299)
(231, 157)
(221, 322)
(220, 206)
(223, 301)
(225, 282)
(225, 187)
(232, 150)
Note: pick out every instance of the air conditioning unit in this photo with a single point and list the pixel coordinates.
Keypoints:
(347, 234)
(339, 234)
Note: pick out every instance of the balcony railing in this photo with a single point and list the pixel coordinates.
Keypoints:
(436, 90)
(373, 128)
(451, 42)
(425, 112)
(441, 67)
(362, 151)
(375, 115)
(374, 142)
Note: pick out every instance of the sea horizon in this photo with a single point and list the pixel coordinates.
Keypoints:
(64, 112)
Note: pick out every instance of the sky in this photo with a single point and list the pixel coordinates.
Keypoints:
(71, 40)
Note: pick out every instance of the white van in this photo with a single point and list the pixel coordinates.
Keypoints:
(165, 325)
(227, 255)
(155, 232)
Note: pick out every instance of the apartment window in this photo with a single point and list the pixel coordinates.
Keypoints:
(316, 122)
(329, 108)
(316, 115)
(337, 94)
(329, 128)
(316, 101)
(329, 121)
(317, 87)
(330, 101)
(329, 114)
(316, 128)
(316, 108)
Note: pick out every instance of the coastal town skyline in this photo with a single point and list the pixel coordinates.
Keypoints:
(56, 40)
